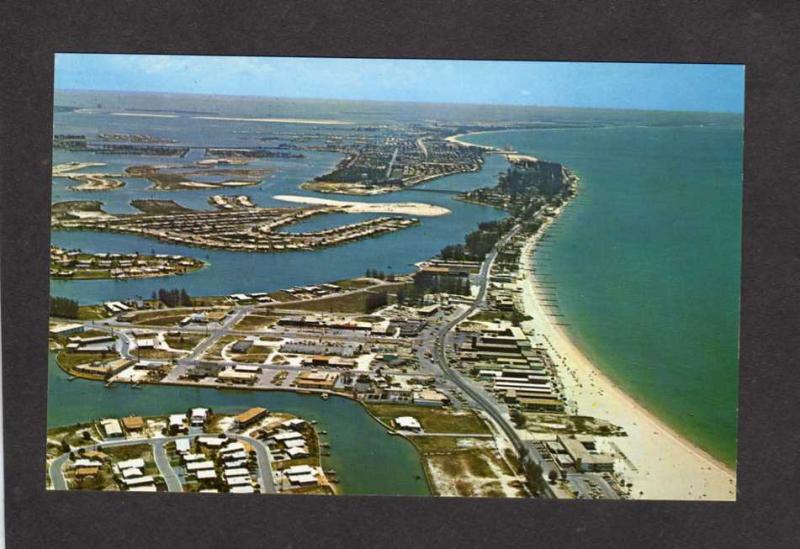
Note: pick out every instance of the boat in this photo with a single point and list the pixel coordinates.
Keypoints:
(72, 378)
(323, 432)
(324, 396)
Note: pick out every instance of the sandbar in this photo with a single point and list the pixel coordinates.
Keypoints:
(406, 208)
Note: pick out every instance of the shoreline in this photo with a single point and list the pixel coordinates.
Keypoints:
(668, 465)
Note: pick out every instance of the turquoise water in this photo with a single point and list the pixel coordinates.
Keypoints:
(367, 460)
(646, 261)
(231, 272)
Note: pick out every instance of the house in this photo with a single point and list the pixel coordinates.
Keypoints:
(133, 424)
(407, 423)
(112, 428)
(297, 452)
(286, 435)
(293, 423)
(199, 416)
(183, 445)
(303, 480)
(137, 463)
(199, 465)
(83, 472)
(250, 416)
(206, 474)
(177, 423)
(211, 442)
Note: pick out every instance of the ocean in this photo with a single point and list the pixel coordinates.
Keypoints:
(646, 259)
(646, 264)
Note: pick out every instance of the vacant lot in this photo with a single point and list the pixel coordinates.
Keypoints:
(433, 420)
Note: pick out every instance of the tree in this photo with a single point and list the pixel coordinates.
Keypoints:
(63, 307)
(553, 476)
(519, 419)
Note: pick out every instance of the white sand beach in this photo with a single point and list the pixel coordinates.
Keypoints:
(406, 208)
(457, 139)
(665, 465)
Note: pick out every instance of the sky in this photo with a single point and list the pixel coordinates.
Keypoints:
(672, 87)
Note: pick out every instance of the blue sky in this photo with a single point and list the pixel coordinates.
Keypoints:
(559, 84)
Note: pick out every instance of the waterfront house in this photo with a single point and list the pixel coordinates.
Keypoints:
(250, 416)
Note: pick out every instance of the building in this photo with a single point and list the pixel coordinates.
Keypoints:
(133, 424)
(241, 346)
(64, 330)
(111, 428)
(199, 417)
(236, 377)
(177, 424)
(584, 454)
(316, 380)
(250, 416)
(183, 445)
(407, 423)
(430, 397)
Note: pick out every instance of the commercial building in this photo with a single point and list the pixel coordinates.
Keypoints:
(316, 380)
(407, 423)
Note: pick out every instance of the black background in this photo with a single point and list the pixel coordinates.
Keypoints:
(762, 35)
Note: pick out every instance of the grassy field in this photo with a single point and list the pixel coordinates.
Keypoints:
(185, 342)
(92, 312)
(214, 353)
(155, 354)
(351, 303)
(433, 420)
(69, 361)
(256, 322)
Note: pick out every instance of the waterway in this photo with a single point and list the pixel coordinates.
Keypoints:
(646, 264)
(366, 458)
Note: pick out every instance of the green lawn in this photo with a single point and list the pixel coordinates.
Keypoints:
(433, 420)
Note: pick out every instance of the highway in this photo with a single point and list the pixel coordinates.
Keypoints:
(488, 405)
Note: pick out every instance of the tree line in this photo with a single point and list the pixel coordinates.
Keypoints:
(63, 307)
(173, 298)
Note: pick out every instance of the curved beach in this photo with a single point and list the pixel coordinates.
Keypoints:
(665, 464)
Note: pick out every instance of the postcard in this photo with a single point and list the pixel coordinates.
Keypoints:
(329, 276)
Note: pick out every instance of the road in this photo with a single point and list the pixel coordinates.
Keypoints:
(266, 481)
(488, 405)
(265, 478)
(162, 461)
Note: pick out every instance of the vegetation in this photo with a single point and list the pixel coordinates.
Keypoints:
(63, 307)
(173, 298)
(432, 420)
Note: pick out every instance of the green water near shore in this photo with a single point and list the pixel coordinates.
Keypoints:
(646, 263)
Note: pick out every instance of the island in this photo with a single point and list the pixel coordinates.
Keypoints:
(80, 265)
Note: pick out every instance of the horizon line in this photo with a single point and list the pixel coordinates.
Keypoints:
(522, 105)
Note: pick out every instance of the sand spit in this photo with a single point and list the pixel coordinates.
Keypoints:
(405, 208)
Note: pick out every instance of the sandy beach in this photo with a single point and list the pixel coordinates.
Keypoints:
(457, 139)
(406, 208)
(661, 463)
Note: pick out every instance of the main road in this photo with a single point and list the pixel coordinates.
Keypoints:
(487, 404)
